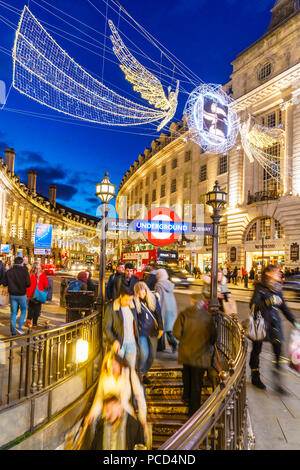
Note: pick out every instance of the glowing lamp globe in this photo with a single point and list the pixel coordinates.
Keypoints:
(216, 198)
(105, 190)
(82, 351)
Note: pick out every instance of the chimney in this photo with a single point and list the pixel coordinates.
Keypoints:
(10, 159)
(32, 181)
(52, 194)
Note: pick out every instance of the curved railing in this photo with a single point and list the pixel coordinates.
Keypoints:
(33, 363)
(222, 423)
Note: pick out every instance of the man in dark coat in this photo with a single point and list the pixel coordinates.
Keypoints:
(117, 430)
(196, 332)
(17, 280)
(114, 282)
(2, 272)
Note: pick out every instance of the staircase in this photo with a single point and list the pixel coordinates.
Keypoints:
(166, 410)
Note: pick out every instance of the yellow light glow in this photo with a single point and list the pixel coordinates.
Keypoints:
(260, 140)
(82, 350)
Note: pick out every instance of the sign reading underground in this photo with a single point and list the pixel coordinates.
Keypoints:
(162, 226)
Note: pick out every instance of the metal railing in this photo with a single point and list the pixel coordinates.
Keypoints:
(37, 362)
(222, 423)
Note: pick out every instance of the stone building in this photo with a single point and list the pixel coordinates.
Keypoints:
(21, 207)
(262, 216)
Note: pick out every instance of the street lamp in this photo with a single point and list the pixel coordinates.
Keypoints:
(217, 200)
(105, 191)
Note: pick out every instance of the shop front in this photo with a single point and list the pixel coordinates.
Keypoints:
(204, 259)
(259, 255)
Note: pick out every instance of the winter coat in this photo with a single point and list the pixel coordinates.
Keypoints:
(17, 280)
(113, 286)
(150, 280)
(268, 303)
(114, 322)
(129, 283)
(147, 326)
(134, 434)
(196, 332)
(42, 284)
(167, 301)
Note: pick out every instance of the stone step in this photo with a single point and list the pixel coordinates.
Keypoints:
(162, 429)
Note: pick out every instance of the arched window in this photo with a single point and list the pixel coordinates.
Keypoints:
(264, 227)
(265, 71)
(252, 234)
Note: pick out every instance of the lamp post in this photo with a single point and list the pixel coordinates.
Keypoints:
(105, 191)
(217, 200)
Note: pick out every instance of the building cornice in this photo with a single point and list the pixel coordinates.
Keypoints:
(275, 85)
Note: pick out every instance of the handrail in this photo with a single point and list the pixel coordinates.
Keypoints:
(221, 422)
(37, 362)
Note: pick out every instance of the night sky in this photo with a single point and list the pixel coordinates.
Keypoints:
(206, 35)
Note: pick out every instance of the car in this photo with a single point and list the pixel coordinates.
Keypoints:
(292, 284)
(179, 276)
(49, 269)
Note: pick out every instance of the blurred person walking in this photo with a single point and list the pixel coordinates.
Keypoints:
(150, 326)
(196, 332)
(129, 279)
(38, 279)
(268, 300)
(17, 280)
(165, 290)
(121, 326)
(114, 282)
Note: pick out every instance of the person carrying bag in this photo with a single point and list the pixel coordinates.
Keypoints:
(36, 294)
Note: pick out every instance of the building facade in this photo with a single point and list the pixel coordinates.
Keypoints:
(21, 207)
(262, 217)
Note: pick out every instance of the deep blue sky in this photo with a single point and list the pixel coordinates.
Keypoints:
(206, 35)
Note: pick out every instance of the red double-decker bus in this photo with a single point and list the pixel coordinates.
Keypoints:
(140, 254)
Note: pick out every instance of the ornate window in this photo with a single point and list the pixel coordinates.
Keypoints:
(252, 234)
(265, 228)
(163, 190)
(278, 230)
(174, 163)
(265, 71)
(163, 170)
(222, 165)
(153, 195)
(203, 173)
(173, 186)
(187, 156)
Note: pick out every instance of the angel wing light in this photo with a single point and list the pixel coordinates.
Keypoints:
(44, 72)
(143, 81)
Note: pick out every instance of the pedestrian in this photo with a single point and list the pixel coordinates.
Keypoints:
(251, 274)
(50, 288)
(129, 280)
(196, 332)
(121, 326)
(268, 299)
(165, 290)
(150, 277)
(90, 285)
(235, 275)
(17, 280)
(246, 280)
(118, 378)
(114, 282)
(150, 326)
(2, 272)
(117, 429)
(38, 279)
(80, 283)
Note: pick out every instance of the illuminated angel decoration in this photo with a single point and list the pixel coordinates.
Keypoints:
(143, 81)
(44, 72)
(261, 144)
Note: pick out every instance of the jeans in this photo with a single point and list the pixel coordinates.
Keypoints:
(15, 302)
(148, 347)
(129, 351)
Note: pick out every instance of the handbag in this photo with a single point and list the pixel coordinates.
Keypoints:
(229, 306)
(256, 330)
(39, 295)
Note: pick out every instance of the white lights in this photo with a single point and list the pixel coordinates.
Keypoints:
(143, 81)
(44, 72)
(212, 122)
(259, 144)
(82, 351)
(105, 190)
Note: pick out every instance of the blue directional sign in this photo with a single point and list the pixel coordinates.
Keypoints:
(162, 226)
(43, 236)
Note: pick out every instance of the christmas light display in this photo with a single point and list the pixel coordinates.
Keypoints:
(44, 72)
(143, 81)
(259, 143)
(212, 121)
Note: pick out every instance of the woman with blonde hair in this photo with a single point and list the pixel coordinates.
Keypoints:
(38, 279)
(165, 290)
(150, 326)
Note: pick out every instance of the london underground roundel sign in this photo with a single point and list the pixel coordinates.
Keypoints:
(166, 223)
